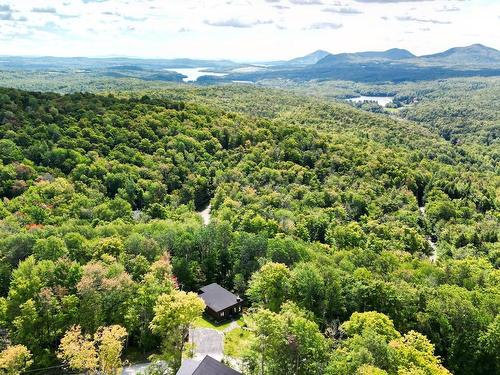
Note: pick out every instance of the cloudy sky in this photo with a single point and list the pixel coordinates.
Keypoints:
(242, 29)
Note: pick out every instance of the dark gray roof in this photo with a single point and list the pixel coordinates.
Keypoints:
(210, 366)
(217, 298)
(188, 367)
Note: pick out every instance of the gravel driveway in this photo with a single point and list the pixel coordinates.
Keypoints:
(135, 369)
(207, 342)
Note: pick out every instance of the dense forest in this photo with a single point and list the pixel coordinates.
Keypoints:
(362, 243)
(463, 111)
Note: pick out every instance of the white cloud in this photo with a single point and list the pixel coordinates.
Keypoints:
(44, 10)
(343, 10)
(422, 20)
(449, 9)
(306, 2)
(391, 1)
(238, 23)
(325, 25)
(242, 29)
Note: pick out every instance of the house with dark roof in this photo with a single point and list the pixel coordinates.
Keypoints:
(208, 366)
(221, 303)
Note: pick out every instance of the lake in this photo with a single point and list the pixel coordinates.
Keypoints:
(381, 100)
(192, 74)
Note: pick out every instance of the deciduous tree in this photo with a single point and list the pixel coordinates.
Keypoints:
(173, 315)
(14, 360)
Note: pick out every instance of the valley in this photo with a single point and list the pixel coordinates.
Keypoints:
(331, 213)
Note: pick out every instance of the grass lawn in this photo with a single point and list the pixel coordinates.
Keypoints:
(134, 355)
(205, 323)
(393, 111)
(237, 342)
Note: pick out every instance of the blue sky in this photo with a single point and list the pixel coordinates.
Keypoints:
(241, 29)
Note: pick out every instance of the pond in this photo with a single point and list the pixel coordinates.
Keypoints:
(381, 100)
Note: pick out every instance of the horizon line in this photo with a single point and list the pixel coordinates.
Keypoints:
(221, 58)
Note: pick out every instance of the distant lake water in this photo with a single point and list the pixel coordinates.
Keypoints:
(192, 74)
(381, 100)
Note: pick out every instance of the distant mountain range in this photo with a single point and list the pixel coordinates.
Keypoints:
(371, 66)
(312, 58)
(390, 54)
(474, 54)
(44, 62)
(379, 66)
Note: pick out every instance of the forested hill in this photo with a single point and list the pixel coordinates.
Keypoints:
(99, 194)
(476, 115)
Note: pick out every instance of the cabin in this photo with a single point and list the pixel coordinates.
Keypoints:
(221, 303)
(208, 366)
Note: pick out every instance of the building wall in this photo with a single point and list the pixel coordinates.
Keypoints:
(227, 313)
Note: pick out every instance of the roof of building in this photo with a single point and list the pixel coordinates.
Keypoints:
(208, 366)
(188, 367)
(217, 298)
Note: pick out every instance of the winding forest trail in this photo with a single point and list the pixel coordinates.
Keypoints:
(205, 215)
(433, 257)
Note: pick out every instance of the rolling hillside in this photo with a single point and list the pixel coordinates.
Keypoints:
(102, 190)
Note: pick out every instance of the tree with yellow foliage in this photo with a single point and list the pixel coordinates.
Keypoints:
(370, 370)
(99, 354)
(414, 354)
(174, 314)
(14, 360)
(374, 347)
(78, 351)
(110, 341)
